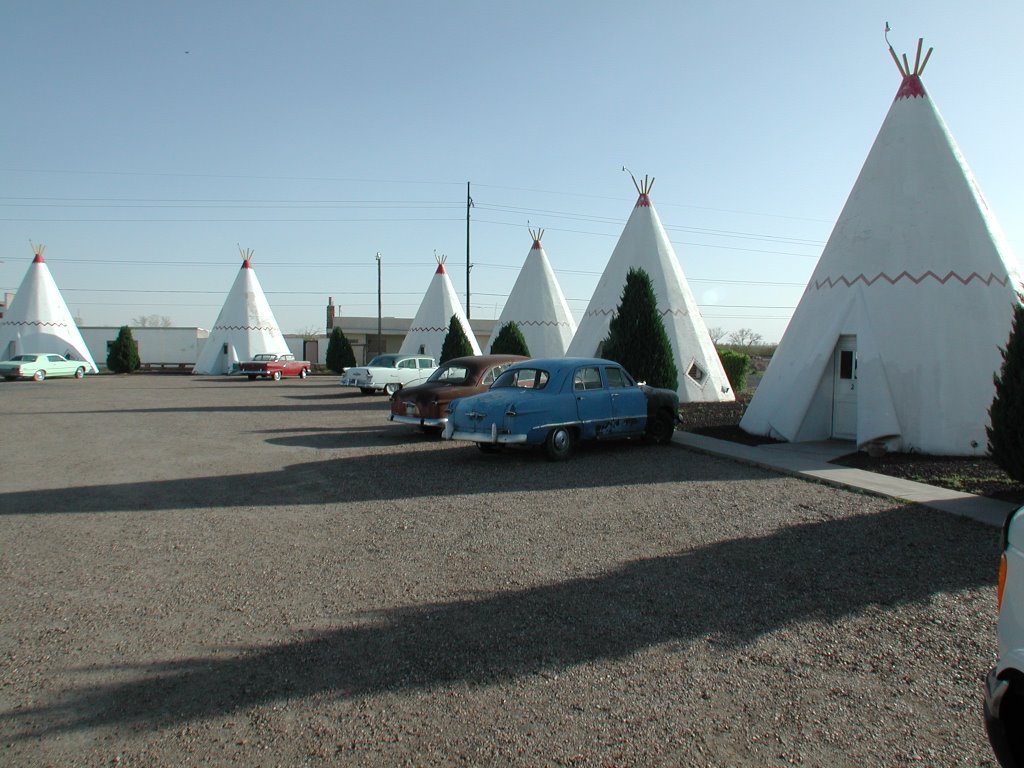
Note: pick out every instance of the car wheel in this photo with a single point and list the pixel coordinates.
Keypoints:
(660, 427)
(366, 390)
(277, 375)
(252, 378)
(39, 375)
(390, 389)
(79, 373)
(303, 373)
(489, 447)
(559, 443)
(11, 378)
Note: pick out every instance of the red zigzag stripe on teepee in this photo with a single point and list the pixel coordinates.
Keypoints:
(39, 323)
(829, 282)
(430, 329)
(541, 323)
(662, 312)
(244, 328)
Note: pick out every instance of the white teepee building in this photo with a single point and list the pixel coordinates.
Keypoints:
(538, 306)
(644, 244)
(895, 340)
(245, 326)
(430, 326)
(38, 320)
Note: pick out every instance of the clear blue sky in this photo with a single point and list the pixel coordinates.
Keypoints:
(141, 142)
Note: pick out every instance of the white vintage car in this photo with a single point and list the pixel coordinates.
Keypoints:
(389, 373)
(1004, 686)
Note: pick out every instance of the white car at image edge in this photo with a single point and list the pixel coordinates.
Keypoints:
(1004, 686)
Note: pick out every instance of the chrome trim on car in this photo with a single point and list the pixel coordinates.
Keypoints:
(483, 437)
(417, 421)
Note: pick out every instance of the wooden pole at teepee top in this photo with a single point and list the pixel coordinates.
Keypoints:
(925, 62)
(897, 60)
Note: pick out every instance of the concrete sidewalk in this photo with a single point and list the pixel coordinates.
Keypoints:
(811, 460)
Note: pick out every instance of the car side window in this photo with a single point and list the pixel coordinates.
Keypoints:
(616, 379)
(426, 363)
(488, 378)
(54, 358)
(407, 364)
(586, 378)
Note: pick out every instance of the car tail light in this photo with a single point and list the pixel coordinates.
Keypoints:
(1001, 584)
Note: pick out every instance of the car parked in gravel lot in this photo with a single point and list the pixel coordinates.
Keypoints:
(1004, 685)
(558, 402)
(41, 366)
(271, 366)
(426, 405)
(388, 373)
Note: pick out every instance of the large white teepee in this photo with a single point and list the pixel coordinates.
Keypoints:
(644, 244)
(895, 340)
(538, 306)
(38, 320)
(430, 326)
(244, 327)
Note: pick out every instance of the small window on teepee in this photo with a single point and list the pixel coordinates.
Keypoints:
(698, 374)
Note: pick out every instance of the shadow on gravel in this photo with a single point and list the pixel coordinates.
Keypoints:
(371, 478)
(819, 571)
(334, 406)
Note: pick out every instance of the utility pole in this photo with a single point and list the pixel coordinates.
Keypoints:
(469, 204)
(380, 334)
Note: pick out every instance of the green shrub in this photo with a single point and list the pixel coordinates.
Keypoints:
(737, 366)
(636, 335)
(123, 355)
(455, 342)
(339, 351)
(1006, 433)
(510, 341)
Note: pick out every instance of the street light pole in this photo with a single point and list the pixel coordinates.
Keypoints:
(379, 332)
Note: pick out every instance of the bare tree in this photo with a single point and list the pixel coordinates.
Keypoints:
(745, 337)
(717, 334)
(152, 321)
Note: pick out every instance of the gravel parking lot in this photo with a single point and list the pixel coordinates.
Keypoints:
(203, 571)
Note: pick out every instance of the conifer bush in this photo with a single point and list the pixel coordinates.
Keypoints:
(1006, 433)
(123, 356)
(455, 342)
(510, 341)
(737, 366)
(339, 351)
(636, 335)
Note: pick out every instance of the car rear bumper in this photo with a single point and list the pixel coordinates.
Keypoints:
(1001, 733)
(417, 421)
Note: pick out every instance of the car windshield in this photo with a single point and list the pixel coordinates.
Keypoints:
(522, 378)
(263, 358)
(383, 361)
(451, 374)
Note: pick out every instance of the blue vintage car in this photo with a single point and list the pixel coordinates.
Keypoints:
(558, 402)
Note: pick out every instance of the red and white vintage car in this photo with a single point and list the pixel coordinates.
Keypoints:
(269, 366)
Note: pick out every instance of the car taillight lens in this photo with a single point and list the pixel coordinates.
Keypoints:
(1001, 584)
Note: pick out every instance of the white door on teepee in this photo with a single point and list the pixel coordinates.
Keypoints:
(844, 389)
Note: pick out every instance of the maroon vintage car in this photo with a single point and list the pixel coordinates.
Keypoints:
(426, 405)
(270, 366)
